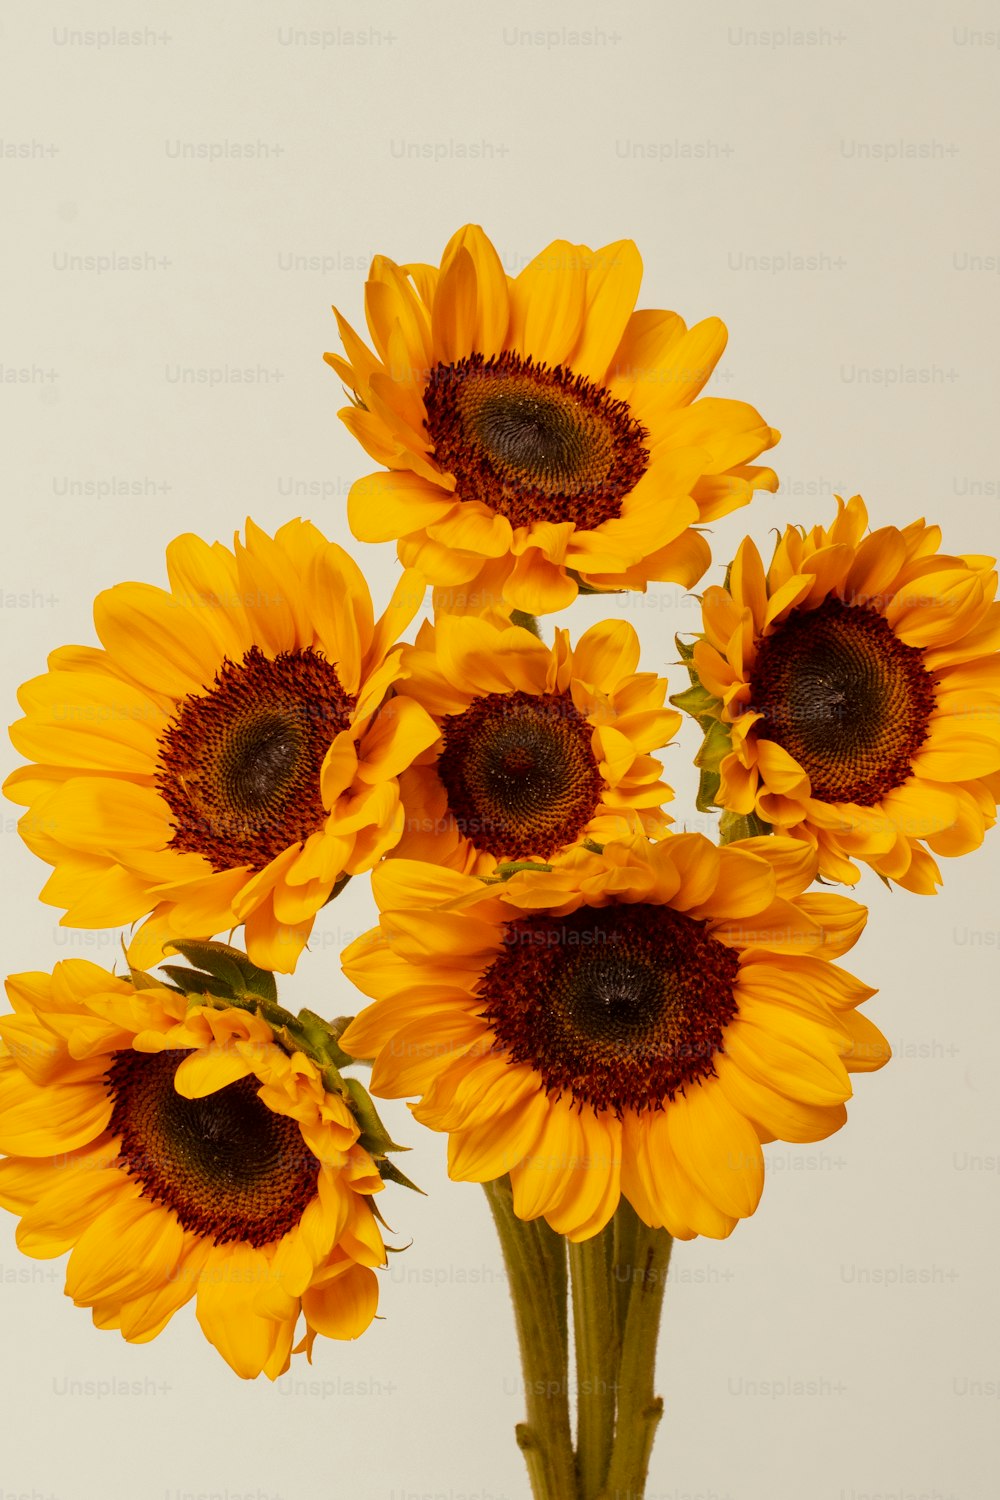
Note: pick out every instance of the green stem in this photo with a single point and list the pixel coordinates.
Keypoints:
(597, 1354)
(535, 1258)
(643, 1269)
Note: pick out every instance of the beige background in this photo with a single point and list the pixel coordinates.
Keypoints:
(825, 180)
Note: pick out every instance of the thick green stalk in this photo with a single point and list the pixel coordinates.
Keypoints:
(644, 1273)
(596, 1336)
(624, 1225)
(535, 1258)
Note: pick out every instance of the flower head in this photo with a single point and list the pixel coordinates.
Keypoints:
(230, 754)
(541, 746)
(538, 432)
(633, 1024)
(178, 1151)
(851, 695)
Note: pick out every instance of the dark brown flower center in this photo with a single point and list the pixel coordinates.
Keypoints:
(534, 443)
(619, 1006)
(843, 695)
(240, 764)
(228, 1167)
(521, 778)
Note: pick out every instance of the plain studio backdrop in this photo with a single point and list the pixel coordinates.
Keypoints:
(186, 191)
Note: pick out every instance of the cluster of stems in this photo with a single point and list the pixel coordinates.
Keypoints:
(613, 1283)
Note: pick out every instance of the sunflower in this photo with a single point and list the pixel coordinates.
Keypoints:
(634, 1023)
(541, 746)
(851, 695)
(229, 756)
(182, 1153)
(538, 433)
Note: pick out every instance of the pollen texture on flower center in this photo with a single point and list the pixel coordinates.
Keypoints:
(229, 1167)
(620, 1007)
(239, 766)
(534, 443)
(846, 697)
(521, 776)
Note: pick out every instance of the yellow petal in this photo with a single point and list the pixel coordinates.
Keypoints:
(718, 1147)
(613, 277)
(158, 641)
(230, 1282)
(343, 1308)
(130, 1249)
(547, 301)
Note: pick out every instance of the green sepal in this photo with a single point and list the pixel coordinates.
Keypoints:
(338, 886)
(194, 982)
(391, 1173)
(736, 826)
(514, 867)
(140, 979)
(375, 1139)
(376, 1211)
(588, 588)
(324, 1036)
(684, 650)
(243, 979)
(336, 1029)
(708, 791)
(695, 700)
(716, 745)
(526, 622)
(228, 978)
(698, 702)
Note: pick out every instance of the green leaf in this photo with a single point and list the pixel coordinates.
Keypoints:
(230, 966)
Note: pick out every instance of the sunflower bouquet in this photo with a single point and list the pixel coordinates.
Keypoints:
(607, 1018)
